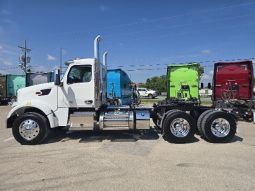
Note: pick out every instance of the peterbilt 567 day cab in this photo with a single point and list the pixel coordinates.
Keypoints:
(79, 101)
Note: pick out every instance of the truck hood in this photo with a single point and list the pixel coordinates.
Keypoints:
(34, 92)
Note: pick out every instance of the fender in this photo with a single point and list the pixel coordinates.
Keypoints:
(164, 117)
(43, 108)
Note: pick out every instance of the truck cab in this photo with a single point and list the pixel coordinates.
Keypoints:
(81, 86)
(78, 101)
(233, 87)
(182, 82)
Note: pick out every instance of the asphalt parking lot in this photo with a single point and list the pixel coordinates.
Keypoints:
(117, 160)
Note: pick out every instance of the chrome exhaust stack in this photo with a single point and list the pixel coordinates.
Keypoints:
(96, 48)
(105, 58)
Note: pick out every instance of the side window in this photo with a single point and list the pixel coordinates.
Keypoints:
(79, 74)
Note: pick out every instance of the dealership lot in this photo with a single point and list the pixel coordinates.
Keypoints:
(117, 160)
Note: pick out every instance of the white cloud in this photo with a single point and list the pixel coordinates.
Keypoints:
(206, 51)
(211, 72)
(1, 47)
(50, 58)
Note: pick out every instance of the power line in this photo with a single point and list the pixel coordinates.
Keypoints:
(9, 68)
(148, 67)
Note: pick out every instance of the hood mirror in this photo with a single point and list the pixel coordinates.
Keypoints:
(57, 77)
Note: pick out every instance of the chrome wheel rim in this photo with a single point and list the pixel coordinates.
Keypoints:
(29, 129)
(220, 127)
(180, 127)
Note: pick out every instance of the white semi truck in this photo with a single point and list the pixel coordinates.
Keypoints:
(79, 101)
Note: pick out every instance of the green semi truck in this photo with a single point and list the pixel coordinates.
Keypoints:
(183, 81)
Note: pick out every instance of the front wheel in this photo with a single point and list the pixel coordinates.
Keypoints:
(178, 127)
(30, 128)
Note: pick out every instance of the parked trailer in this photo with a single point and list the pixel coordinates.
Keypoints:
(39, 78)
(233, 87)
(14, 83)
(10, 84)
(119, 90)
(3, 97)
(79, 101)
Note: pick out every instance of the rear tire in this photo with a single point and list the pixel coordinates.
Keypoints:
(30, 128)
(178, 127)
(218, 127)
(199, 121)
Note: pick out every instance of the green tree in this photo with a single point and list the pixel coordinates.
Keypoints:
(201, 70)
(157, 83)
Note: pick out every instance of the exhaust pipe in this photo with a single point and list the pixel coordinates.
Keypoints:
(96, 47)
(105, 58)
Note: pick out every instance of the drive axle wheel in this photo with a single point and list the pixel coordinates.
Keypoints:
(178, 127)
(199, 121)
(218, 127)
(30, 128)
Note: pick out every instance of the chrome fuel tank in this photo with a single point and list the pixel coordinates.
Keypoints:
(117, 120)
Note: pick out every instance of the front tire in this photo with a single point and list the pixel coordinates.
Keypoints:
(178, 127)
(30, 128)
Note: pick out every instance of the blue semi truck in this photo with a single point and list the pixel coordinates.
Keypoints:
(119, 90)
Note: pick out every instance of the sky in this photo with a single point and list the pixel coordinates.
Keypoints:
(141, 37)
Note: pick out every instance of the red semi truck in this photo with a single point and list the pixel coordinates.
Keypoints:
(233, 87)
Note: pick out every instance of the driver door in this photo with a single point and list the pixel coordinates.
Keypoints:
(78, 88)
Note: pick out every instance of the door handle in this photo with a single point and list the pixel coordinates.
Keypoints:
(88, 101)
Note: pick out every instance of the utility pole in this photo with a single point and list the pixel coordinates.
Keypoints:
(24, 59)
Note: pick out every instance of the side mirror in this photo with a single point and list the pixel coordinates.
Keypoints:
(57, 77)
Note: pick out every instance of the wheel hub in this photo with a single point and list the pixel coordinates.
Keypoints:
(29, 129)
(180, 127)
(220, 127)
